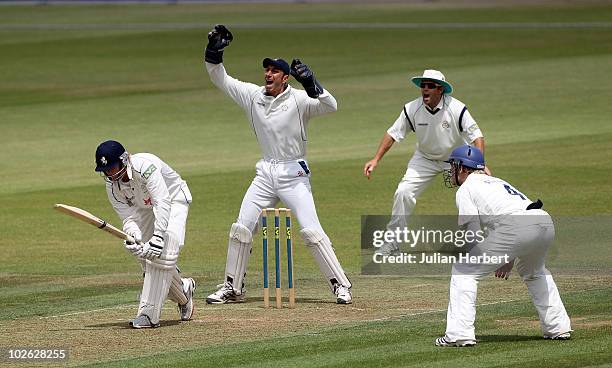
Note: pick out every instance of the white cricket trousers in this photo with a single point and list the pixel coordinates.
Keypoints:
(419, 174)
(286, 181)
(525, 237)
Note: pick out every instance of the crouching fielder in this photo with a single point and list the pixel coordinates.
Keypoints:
(279, 115)
(518, 228)
(152, 201)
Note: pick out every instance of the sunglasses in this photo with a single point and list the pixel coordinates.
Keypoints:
(429, 85)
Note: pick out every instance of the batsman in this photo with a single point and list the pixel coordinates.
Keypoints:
(152, 200)
(279, 115)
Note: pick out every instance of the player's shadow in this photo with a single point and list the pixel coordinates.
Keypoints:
(297, 301)
(506, 338)
(314, 301)
(126, 324)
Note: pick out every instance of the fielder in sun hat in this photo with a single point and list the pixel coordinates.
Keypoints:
(435, 76)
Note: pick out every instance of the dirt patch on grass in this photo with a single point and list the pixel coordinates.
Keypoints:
(590, 322)
(104, 334)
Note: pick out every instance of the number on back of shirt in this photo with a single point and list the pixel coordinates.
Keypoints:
(513, 191)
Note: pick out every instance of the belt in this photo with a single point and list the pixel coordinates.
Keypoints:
(282, 161)
(535, 205)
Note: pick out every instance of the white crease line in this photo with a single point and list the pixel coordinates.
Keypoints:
(129, 306)
(125, 306)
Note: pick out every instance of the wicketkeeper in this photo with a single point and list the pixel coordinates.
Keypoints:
(152, 201)
(279, 115)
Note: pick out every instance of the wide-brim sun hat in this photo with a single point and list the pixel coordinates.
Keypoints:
(435, 76)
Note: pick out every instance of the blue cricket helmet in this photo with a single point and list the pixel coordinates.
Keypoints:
(109, 154)
(467, 156)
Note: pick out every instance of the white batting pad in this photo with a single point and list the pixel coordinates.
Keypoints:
(321, 249)
(176, 293)
(161, 276)
(238, 253)
(154, 291)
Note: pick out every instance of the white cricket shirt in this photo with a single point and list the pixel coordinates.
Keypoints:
(488, 197)
(153, 185)
(438, 131)
(279, 122)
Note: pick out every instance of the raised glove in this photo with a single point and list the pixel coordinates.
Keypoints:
(304, 75)
(218, 39)
(153, 248)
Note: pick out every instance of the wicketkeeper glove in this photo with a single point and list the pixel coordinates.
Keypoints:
(154, 248)
(218, 39)
(304, 75)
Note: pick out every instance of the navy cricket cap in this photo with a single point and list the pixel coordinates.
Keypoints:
(108, 154)
(279, 63)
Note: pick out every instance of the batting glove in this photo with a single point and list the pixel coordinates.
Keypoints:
(154, 248)
(218, 39)
(137, 236)
(304, 75)
(134, 248)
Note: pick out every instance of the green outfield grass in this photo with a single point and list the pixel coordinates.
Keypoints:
(540, 94)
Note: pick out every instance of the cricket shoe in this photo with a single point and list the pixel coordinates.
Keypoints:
(225, 294)
(442, 341)
(388, 249)
(188, 308)
(561, 336)
(343, 295)
(143, 321)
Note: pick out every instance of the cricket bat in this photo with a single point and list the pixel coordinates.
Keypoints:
(85, 216)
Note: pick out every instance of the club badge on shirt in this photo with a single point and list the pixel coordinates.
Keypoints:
(149, 171)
